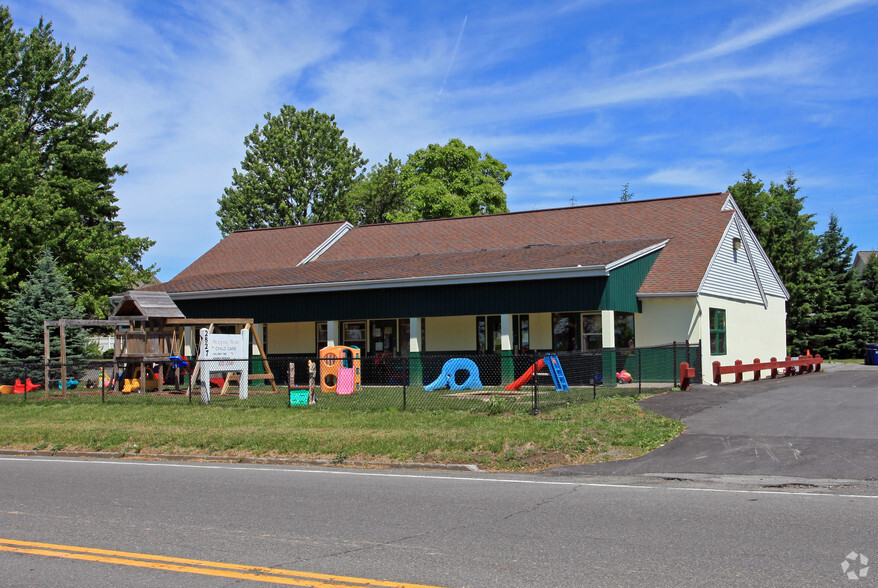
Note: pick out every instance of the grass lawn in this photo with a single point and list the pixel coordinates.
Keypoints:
(608, 428)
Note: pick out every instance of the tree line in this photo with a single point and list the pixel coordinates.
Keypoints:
(63, 250)
(299, 168)
(833, 308)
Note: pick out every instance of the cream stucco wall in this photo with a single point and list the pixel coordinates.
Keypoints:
(541, 331)
(450, 333)
(666, 319)
(752, 331)
(292, 338)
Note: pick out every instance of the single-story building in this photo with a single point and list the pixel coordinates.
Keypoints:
(637, 273)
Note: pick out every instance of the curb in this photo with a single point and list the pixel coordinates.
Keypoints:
(451, 467)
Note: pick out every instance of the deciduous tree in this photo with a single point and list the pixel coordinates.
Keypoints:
(451, 180)
(297, 169)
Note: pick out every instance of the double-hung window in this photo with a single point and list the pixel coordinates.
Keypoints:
(717, 331)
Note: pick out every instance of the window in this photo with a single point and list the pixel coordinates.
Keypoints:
(565, 326)
(322, 335)
(488, 334)
(624, 330)
(354, 334)
(592, 335)
(520, 333)
(717, 331)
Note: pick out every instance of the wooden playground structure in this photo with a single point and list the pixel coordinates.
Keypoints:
(149, 330)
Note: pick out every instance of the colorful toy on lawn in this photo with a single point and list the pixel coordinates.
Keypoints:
(623, 377)
(448, 376)
(550, 361)
(130, 385)
(19, 388)
(71, 383)
(340, 369)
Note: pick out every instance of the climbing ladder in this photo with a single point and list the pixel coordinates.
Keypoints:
(556, 372)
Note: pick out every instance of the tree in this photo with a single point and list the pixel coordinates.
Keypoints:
(45, 295)
(380, 195)
(786, 233)
(838, 310)
(56, 187)
(451, 180)
(626, 195)
(297, 169)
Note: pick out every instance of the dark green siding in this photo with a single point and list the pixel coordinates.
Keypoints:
(616, 292)
(422, 301)
(620, 293)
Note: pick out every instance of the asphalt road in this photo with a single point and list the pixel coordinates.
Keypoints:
(814, 426)
(461, 529)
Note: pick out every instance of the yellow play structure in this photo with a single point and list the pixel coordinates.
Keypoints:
(340, 369)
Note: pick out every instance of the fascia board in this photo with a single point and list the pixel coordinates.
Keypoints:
(330, 241)
(450, 280)
(668, 295)
(636, 255)
(762, 252)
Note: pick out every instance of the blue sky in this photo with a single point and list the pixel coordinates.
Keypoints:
(577, 98)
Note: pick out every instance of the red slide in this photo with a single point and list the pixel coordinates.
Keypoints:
(525, 378)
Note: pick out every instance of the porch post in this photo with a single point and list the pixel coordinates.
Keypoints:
(608, 343)
(333, 332)
(416, 377)
(507, 367)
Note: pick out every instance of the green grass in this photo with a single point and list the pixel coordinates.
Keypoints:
(496, 435)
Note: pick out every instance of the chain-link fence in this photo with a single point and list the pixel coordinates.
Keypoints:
(481, 383)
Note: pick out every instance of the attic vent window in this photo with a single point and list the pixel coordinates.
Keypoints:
(736, 243)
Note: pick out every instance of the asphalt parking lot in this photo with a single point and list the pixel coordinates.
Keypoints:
(822, 425)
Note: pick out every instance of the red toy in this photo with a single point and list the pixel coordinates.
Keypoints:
(623, 377)
(28, 386)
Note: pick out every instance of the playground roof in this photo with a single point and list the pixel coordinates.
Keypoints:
(141, 303)
(583, 240)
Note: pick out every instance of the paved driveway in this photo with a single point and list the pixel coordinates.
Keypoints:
(819, 426)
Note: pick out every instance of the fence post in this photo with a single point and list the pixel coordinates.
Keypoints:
(639, 371)
(773, 368)
(675, 364)
(536, 409)
(102, 384)
(757, 373)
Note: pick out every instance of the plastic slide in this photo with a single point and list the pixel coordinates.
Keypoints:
(558, 377)
(345, 383)
(449, 371)
(526, 376)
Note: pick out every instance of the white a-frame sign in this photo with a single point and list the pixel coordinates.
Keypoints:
(224, 353)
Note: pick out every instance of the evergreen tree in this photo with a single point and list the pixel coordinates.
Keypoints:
(837, 303)
(56, 187)
(786, 233)
(45, 295)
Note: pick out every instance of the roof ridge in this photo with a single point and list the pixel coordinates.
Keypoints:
(288, 227)
(556, 208)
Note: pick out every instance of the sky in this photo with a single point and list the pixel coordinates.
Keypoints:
(578, 98)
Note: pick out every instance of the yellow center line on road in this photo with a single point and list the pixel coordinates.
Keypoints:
(196, 566)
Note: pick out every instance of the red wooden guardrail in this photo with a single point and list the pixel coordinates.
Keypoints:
(801, 365)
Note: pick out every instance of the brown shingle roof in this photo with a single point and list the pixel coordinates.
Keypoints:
(541, 239)
(260, 250)
(422, 266)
